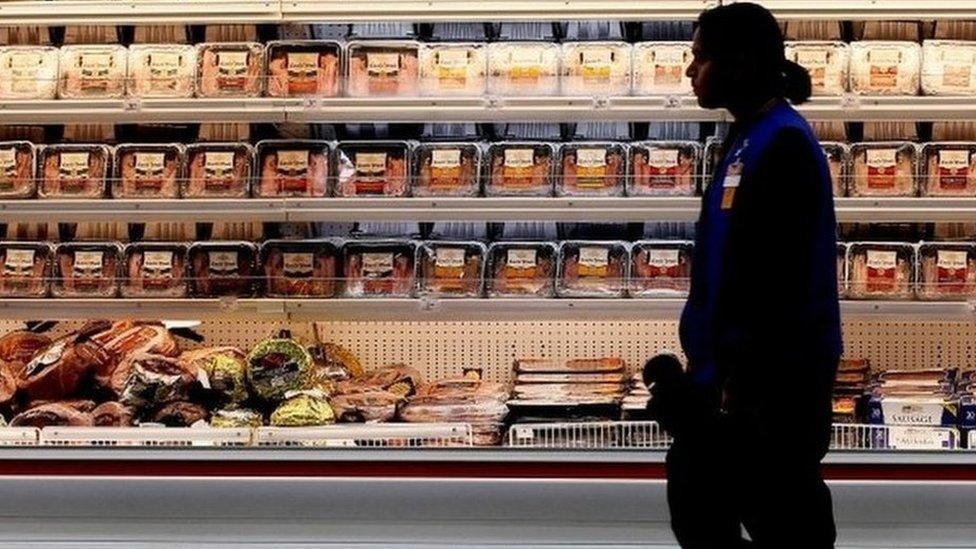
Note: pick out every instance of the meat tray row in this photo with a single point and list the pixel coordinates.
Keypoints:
(354, 268)
(902, 271)
(902, 168)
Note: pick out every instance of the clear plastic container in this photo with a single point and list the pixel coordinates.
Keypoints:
(293, 168)
(155, 269)
(222, 268)
(379, 268)
(883, 169)
(838, 160)
(25, 268)
(664, 168)
(301, 268)
(304, 68)
(842, 269)
(446, 169)
(880, 270)
(591, 168)
(452, 268)
(87, 269)
(459, 69)
(18, 165)
(230, 69)
(378, 168)
(88, 72)
(592, 269)
(520, 168)
(148, 171)
(947, 271)
(596, 68)
(521, 269)
(162, 70)
(218, 170)
(949, 67)
(948, 169)
(73, 170)
(29, 72)
(382, 68)
(523, 68)
(659, 68)
(660, 268)
(827, 63)
(881, 67)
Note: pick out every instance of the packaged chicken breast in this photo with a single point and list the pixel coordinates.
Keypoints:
(73, 170)
(949, 67)
(947, 271)
(378, 268)
(25, 268)
(382, 68)
(155, 269)
(230, 69)
(660, 268)
(883, 169)
(446, 169)
(520, 168)
(826, 62)
(305, 268)
(592, 269)
(162, 70)
(218, 170)
(29, 72)
(453, 68)
(86, 269)
(838, 160)
(591, 168)
(222, 268)
(293, 168)
(948, 169)
(664, 168)
(88, 72)
(148, 171)
(659, 68)
(303, 68)
(885, 67)
(379, 168)
(523, 68)
(452, 268)
(596, 68)
(521, 269)
(880, 270)
(17, 164)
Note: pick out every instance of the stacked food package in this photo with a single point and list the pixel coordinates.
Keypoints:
(452, 268)
(883, 169)
(660, 268)
(478, 403)
(664, 168)
(591, 169)
(880, 270)
(826, 62)
(885, 67)
(634, 406)
(568, 388)
(946, 271)
(921, 407)
(850, 384)
(592, 269)
(949, 169)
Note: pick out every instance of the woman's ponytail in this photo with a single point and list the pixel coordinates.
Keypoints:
(797, 84)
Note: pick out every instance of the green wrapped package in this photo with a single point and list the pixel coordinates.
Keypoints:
(228, 378)
(237, 418)
(278, 366)
(303, 409)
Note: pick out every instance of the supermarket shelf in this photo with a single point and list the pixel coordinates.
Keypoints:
(164, 309)
(898, 210)
(119, 12)
(140, 111)
(922, 310)
(870, 9)
(907, 108)
(129, 210)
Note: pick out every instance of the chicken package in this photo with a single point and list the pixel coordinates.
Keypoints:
(148, 171)
(162, 70)
(367, 406)
(592, 269)
(303, 68)
(73, 170)
(236, 418)
(60, 369)
(87, 269)
(664, 168)
(154, 380)
(452, 269)
(885, 67)
(446, 169)
(29, 72)
(293, 168)
(300, 268)
(523, 68)
(596, 68)
(222, 268)
(155, 269)
(592, 169)
(948, 67)
(947, 271)
(303, 409)
(378, 268)
(112, 414)
(949, 169)
(88, 72)
(226, 370)
(26, 268)
(52, 415)
(181, 414)
(841, 270)
(880, 270)
(20, 346)
(379, 168)
(398, 379)
(838, 159)
(521, 269)
(129, 337)
(826, 62)
(660, 268)
(17, 169)
(883, 169)
(520, 169)
(659, 68)
(230, 69)
(459, 68)
(218, 170)
(277, 366)
(383, 68)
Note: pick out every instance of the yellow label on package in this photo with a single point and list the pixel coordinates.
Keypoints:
(8, 160)
(951, 259)
(596, 62)
(591, 158)
(954, 160)
(593, 261)
(303, 63)
(884, 57)
(662, 158)
(88, 260)
(19, 259)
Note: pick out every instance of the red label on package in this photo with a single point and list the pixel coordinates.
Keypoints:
(292, 171)
(663, 263)
(882, 168)
(882, 266)
(663, 167)
(953, 268)
(953, 169)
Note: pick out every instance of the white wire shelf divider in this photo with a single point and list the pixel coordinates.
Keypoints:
(869, 9)
(120, 12)
(144, 436)
(379, 435)
(599, 435)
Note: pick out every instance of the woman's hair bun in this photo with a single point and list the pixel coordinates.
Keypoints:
(797, 84)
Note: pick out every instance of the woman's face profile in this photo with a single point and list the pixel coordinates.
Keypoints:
(703, 75)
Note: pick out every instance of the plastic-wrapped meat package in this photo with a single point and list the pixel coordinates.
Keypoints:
(880, 271)
(17, 168)
(842, 269)
(523, 68)
(226, 369)
(20, 346)
(521, 269)
(453, 69)
(154, 380)
(883, 169)
(222, 269)
(664, 168)
(218, 170)
(398, 379)
(181, 414)
(383, 68)
(25, 268)
(520, 169)
(162, 70)
(948, 67)
(596, 68)
(660, 268)
(659, 68)
(838, 157)
(885, 67)
(29, 72)
(303, 68)
(379, 268)
(148, 171)
(293, 168)
(87, 269)
(236, 418)
(92, 72)
(826, 62)
(60, 369)
(73, 171)
(52, 415)
(947, 271)
(546, 382)
(446, 169)
(303, 409)
(373, 169)
(233, 69)
(307, 268)
(366, 406)
(155, 269)
(592, 169)
(127, 337)
(112, 414)
(453, 269)
(949, 169)
(592, 269)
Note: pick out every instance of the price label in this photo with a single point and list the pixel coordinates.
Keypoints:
(132, 104)
(672, 102)
(850, 102)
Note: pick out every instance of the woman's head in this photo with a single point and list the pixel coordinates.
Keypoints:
(739, 61)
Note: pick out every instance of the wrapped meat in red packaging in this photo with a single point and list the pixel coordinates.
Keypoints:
(222, 268)
(446, 169)
(880, 270)
(520, 169)
(883, 169)
(303, 68)
(664, 168)
(521, 269)
(592, 169)
(153, 380)
(128, 337)
(379, 268)
(660, 268)
(52, 415)
(87, 269)
(148, 171)
(383, 68)
(230, 69)
(58, 370)
(293, 168)
(452, 268)
(17, 169)
(838, 158)
(592, 269)
(155, 269)
(949, 169)
(21, 346)
(307, 268)
(373, 169)
(947, 271)
(73, 171)
(26, 268)
(218, 170)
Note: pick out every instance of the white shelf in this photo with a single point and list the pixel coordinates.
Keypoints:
(163, 309)
(853, 108)
(870, 9)
(905, 210)
(120, 12)
(142, 111)
(130, 210)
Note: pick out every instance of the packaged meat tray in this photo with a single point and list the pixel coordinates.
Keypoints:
(26, 268)
(948, 169)
(453, 69)
(18, 161)
(148, 171)
(379, 268)
(373, 169)
(230, 69)
(659, 68)
(660, 268)
(222, 268)
(883, 169)
(947, 271)
(87, 269)
(596, 68)
(278, 366)
(664, 168)
(572, 366)
(155, 269)
(73, 171)
(598, 378)
(592, 269)
(521, 269)
(918, 410)
(307, 268)
(452, 269)
(880, 270)
(948, 67)
(842, 269)
(592, 169)
(293, 168)
(838, 158)
(826, 62)
(383, 68)
(366, 406)
(29, 72)
(885, 67)
(520, 169)
(162, 70)
(218, 170)
(303, 68)
(88, 72)
(446, 169)
(523, 68)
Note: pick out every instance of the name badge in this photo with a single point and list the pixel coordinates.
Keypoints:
(733, 175)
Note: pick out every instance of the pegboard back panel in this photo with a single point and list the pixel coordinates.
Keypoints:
(906, 344)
